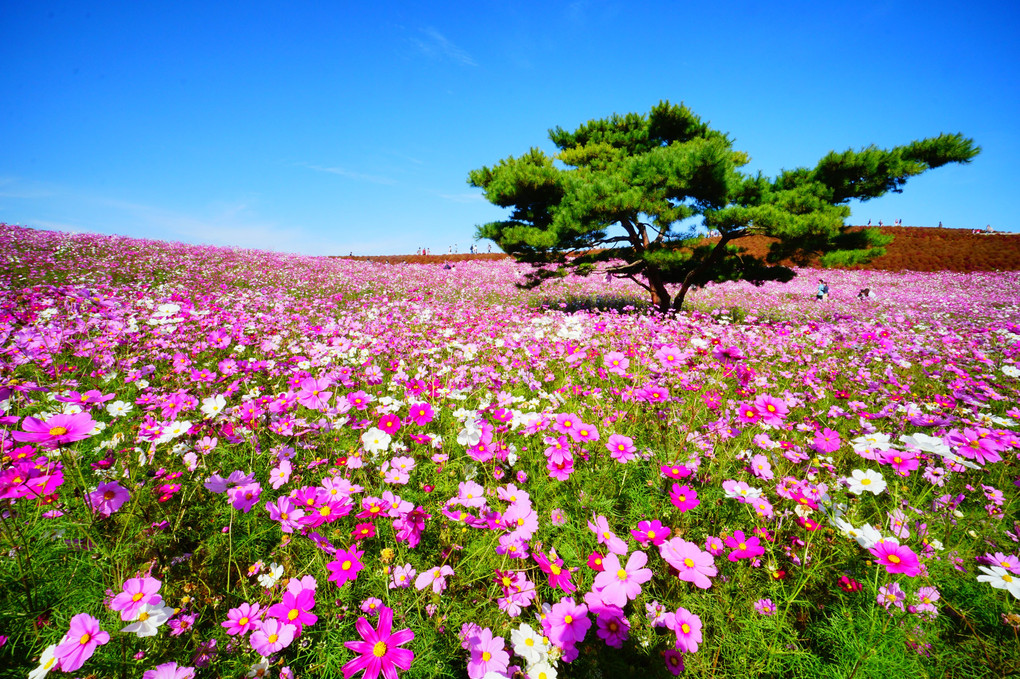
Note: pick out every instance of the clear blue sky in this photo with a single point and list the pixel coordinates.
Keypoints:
(331, 127)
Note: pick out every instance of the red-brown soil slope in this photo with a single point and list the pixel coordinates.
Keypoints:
(914, 248)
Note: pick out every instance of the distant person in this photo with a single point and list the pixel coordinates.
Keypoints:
(490, 247)
(880, 223)
(988, 228)
(940, 225)
(823, 291)
(869, 222)
(864, 293)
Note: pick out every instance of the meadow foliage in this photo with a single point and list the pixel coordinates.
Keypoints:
(226, 462)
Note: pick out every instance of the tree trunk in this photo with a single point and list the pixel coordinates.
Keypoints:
(697, 270)
(660, 295)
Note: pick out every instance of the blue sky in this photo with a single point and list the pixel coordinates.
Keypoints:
(329, 127)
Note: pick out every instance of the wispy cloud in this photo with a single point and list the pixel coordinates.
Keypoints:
(351, 174)
(436, 45)
(463, 197)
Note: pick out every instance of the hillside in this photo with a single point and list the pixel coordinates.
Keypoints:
(915, 248)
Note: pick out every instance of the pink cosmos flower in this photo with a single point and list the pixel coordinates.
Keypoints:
(245, 497)
(692, 564)
(568, 623)
(891, 595)
(379, 651)
(616, 362)
(606, 536)
(402, 576)
(621, 448)
(896, 558)
(586, 432)
(488, 654)
(169, 670)
(137, 592)
(743, 547)
(434, 577)
(345, 567)
(773, 410)
(313, 393)
(242, 619)
(272, 637)
(56, 431)
(687, 627)
(684, 497)
(107, 498)
(826, 441)
(80, 642)
(619, 584)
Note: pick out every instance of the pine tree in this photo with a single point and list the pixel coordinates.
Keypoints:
(625, 189)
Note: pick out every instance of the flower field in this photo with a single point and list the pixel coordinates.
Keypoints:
(225, 463)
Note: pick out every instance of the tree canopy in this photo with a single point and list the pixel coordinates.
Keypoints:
(620, 194)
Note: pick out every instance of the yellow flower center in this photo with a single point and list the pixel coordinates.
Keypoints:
(272, 638)
(689, 562)
(292, 614)
(621, 574)
(486, 656)
(865, 482)
(58, 431)
(686, 628)
(143, 616)
(742, 546)
(894, 559)
(568, 619)
(556, 570)
(529, 642)
(84, 639)
(651, 535)
(346, 565)
(137, 597)
(243, 621)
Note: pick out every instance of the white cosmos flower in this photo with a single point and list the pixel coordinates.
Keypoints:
(149, 619)
(529, 644)
(870, 480)
(213, 405)
(47, 661)
(376, 440)
(868, 536)
(118, 408)
(270, 577)
(1000, 578)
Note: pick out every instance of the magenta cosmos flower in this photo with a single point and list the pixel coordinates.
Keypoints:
(345, 567)
(242, 619)
(687, 627)
(744, 547)
(621, 448)
(107, 498)
(684, 497)
(896, 558)
(57, 430)
(692, 564)
(137, 592)
(379, 650)
(80, 642)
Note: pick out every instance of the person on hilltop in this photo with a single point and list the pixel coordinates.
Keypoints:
(823, 291)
